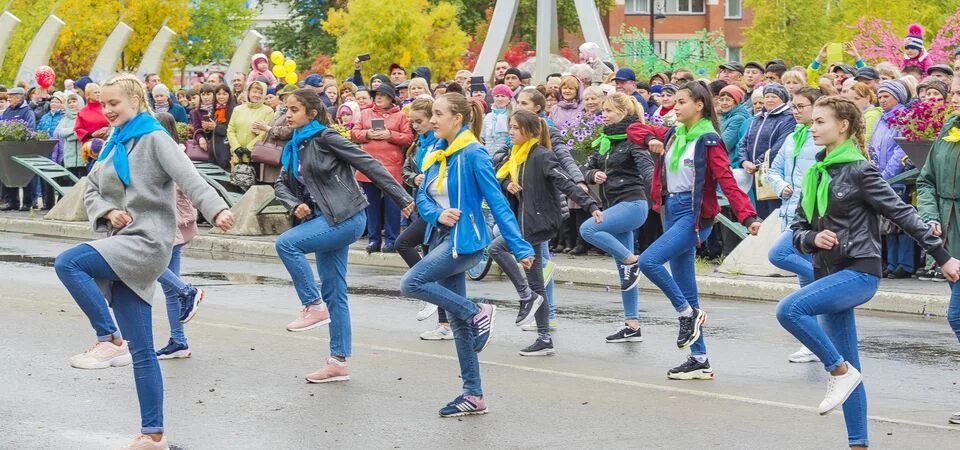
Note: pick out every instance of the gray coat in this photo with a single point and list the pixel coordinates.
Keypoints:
(140, 252)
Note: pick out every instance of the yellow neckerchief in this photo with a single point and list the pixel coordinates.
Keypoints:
(462, 140)
(518, 155)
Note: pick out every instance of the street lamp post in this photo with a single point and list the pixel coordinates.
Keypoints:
(653, 21)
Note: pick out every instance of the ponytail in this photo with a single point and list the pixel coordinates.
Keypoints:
(476, 117)
(544, 136)
(533, 126)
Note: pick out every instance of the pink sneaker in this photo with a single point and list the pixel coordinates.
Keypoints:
(103, 355)
(144, 442)
(310, 317)
(333, 371)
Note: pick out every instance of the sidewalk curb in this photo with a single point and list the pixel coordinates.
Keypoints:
(709, 286)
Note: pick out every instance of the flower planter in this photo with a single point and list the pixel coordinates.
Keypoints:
(13, 174)
(917, 151)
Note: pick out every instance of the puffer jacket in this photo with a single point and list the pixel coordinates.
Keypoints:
(789, 171)
(767, 132)
(732, 130)
(567, 113)
(390, 152)
(629, 168)
(327, 162)
(883, 148)
(858, 197)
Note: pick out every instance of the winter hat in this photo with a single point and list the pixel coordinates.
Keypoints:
(934, 84)
(502, 89)
(656, 89)
(313, 80)
(161, 89)
(258, 57)
(383, 79)
(271, 91)
(734, 92)
(778, 90)
(942, 68)
(81, 84)
(672, 88)
(386, 89)
(513, 71)
(896, 89)
(914, 38)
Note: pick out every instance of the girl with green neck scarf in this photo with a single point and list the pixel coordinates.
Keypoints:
(622, 169)
(838, 222)
(688, 169)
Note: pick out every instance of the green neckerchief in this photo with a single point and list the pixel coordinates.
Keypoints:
(682, 137)
(816, 182)
(799, 138)
(605, 142)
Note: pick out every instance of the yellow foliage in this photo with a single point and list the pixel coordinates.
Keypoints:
(31, 13)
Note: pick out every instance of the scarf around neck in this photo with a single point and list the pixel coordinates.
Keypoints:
(615, 132)
(816, 182)
(290, 158)
(518, 156)
(502, 120)
(425, 143)
(135, 128)
(682, 137)
(799, 138)
(443, 152)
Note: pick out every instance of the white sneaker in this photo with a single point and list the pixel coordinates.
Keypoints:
(441, 333)
(426, 310)
(955, 419)
(804, 355)
(103, 355)
(839, 389)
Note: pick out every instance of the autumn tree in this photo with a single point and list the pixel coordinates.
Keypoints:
(473, 14)
(303, 37)
(215, 28)
(31, 13)
(423, 35)
(788, 29)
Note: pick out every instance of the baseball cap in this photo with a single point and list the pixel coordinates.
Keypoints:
(625, 74)
(866, 73)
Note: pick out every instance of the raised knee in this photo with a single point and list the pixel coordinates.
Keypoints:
(409, 285)
(62, 264)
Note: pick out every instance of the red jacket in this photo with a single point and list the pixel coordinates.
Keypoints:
(712, 168)
(89, 119)
(390, 152)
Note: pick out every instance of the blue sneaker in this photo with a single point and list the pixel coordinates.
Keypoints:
(483, 326)
(464, 405)
(190, 304)
(174, 350)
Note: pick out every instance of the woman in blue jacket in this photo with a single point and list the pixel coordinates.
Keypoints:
(458, 177)
(786, 175)
(767, 132)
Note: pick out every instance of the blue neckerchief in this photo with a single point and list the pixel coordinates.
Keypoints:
(549, 122)
(424, 144)
(135, 128)
(290, 159)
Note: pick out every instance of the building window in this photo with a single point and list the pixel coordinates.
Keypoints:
(666, 6)
(733, 54)
(734, 9)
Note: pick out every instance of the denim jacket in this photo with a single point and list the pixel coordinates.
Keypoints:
(789, 171)
(470, 180)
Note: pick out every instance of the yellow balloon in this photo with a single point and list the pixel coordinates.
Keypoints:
(276, 57)
(290, 65)
(279, 71)
(291, 78)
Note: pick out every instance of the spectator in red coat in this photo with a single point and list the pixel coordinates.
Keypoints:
(387, 144)
(91, 123)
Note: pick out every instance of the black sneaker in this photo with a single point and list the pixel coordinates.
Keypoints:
(174, 350)
(691, 369)
(690, 328)
(626, 334)
(538, 348)
(631, 276)
(898, 273)
(938, 276)
(528, 308)
(925, 275)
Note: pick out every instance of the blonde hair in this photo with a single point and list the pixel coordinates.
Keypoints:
(846, 109)
(421, 83)
(794, 75)
(863, 90)
(594, 90)
(132, 88)
(571, 82)
(911, 84)
(625, 104)
(889, 70)
(88, 89)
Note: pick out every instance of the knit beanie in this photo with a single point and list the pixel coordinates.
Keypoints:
(502, 89)
(933, 83)
(513, 71)
(778, 90)
(734, 92)
(914, 38)
(896, 89)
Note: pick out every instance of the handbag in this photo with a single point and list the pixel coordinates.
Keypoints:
(195, 153)
(744, 179)
(764, 191)
(266, 153)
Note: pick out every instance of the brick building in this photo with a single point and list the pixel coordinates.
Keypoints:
(682, 19)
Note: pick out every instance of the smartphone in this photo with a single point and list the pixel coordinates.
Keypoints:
(834, 53)
(377, 124)
(364, 57)
(205, 116)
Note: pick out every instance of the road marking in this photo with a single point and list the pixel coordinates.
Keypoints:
(580, 376)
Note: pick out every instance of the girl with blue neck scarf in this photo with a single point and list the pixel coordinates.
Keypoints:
(131, 197)
(318, 187)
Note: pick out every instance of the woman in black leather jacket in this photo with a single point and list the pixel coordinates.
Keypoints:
(317, 185)
(838, 221)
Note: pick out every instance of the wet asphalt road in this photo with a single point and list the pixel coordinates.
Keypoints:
(244, 389)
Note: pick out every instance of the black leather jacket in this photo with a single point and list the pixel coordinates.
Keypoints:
(542, 180)
(858, 197)
(629, 170)
(327, 163)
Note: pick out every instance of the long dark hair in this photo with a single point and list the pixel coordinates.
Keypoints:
(311, 102)
(169, 123)
(532, 125)
(700, 93)
(471, 111)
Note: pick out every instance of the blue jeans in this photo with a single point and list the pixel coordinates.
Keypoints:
(545, 254)
(953, 311)
(439, 278)
(332, 246)
(79, 268)
(900, 252)
(785, 256)
(175, 290)
(678, 246)
(615, 236)
(383, 215)
(834, 338)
